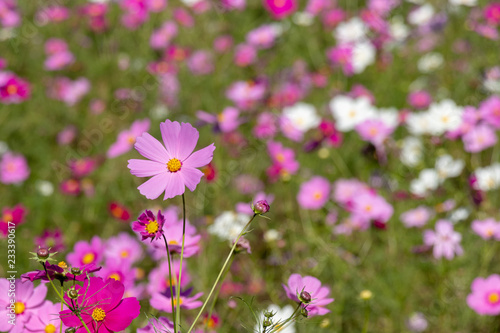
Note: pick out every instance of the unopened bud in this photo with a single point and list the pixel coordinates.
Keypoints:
(73, 294)
(268, 314)
(304, 312)
(260, 207)
(70, 330)
(42, 253)
(76, 271)
(267, 323)
(305, 297)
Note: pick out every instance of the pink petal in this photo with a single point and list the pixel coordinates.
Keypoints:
(146, 168)
(170, 133)
(188, 137)
(69, 319)
(191, 177)
(175, 185)
(201, 157)
(24, 290)
(151, 148)
(155, 186)
(38, 296)
(122, 316)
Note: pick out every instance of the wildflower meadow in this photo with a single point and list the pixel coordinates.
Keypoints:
(264, 166)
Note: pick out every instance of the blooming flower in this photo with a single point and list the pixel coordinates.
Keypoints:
(60, 272)
(485, 296)
(445, 241)
(174, 166)
(102, 307)
(45, 319)
(278, 318)
(159, 281)
(13, 168)
(29, 300)
(123, 248)
(149, 225)
(228, 225)
(154, 325)
(487, 229)
(314, 193)
(319, 294)
(280, 8)
(417, 217)
(163, 302)
(14, 215)
(126, 138)
(86, 253)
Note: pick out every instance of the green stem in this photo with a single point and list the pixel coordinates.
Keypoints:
(286, 322)
(62, 308)
(170, 280)
(220, 273)
(217, 293)
(178, 288)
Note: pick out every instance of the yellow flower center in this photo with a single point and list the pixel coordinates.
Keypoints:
(317, 195)
(63, 265)
(19, 308)
(124, 254)
(280, 157)
(152, 227)
(172, 282)
(174, 165)
(180, 302)
(12, 89)
(114, 276)
(494, 298)
(7, 217)
(98, 314)
(88, 258)
(279, 3)
(50, 329)
(172, 242)
(131, 139)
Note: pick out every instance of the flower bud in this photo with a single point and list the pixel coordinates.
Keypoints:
(70, 330)
(243, 245)
(42, 253)
(267, 323)
(304, 312)
(76, 271)
(72, 293)
(260, 207)
(269, 314)
(305, 297)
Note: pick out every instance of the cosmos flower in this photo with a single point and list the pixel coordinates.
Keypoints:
(174, 167)
(85, 253)
(319, 294)
(13, 168)
(487, 229)
(280, 315)
(102, 306)
(280, 9)
(123, 248)
(149, 225)
(60, 272)
(445, 241)
(126, 138)
(485, 296)
(314, 193)
(417, 217)
(14, 215)
(28, 301)
(45, 320)
(158, 279)
(162, 301)
(155, 325)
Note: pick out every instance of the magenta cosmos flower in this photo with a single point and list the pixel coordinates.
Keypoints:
(86, 253)
(445, 240)
(314, 193)
(149, 225)
(13, 168)
(174, 166)
(102, 307)
(485, 296)
(280, 8)
(319, 294)
(28, 301)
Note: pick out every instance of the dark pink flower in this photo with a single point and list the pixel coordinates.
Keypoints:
(485, 296)
(13, 168)
(280, 8)
(149, 225)
(14, 215)
(319, 294)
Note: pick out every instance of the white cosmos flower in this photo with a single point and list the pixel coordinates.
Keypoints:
(390, 116)
(428, 180)
(447, 167)
(398, 30)
(488, 178)
(470, 3)
(445, 116)
(421, 15)
(363, 55)
(349, 112)
(419, 123)
(351, 31)
(411, 151)
(302, 116)
(430, 62)
(280, 315)
(228, 225)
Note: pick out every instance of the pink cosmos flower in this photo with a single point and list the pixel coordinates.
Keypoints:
(183, 17)
(60, 272)
(370, 206)
(344, 191)
(124, 248)
(67, 91)
(246, 95)
(127, 138)
(201, 62)
(246, 207)
(149, 225)
(14, 215)
(226, 121)
(319, 294)
(417, 217)
(487, 229)
(244, 55)
(262, 37)
(174, 167)
(280, 8)
(158, 279)
(154, 325)
(85, 253)
(119, 270)
(332, 17)
(13, 168)
(490, 111)
(29, 300)
(102, 307)
(485, 296)
(82, 167)
(374, 131)
(161, 37)
(52, 14)
(223, 43)
(9, 14)
(284, 162)
(13, 90)
(492, 13)
(234, 4)
(162, 301)
(445, 241)
(479, 138)
(45, 320)
(341, 56)
(419, 99)
(266, 126)
(52, 239)
(314, 193)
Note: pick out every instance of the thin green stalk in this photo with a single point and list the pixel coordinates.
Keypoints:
(217, 293)
(170, 280)
(220, 273)
(287, 321)
(178, 289)
(62, 308)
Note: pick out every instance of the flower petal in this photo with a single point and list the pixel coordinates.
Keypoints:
(188, 137)
(151, 148)
(191, 177)
(122, 316)
(146, 168)
(170, 133)
(201, 157)
(152, 188)
(175, 185)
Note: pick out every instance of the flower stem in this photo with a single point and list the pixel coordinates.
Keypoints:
(217, 293)
(279, 326)
(62, 308)
(170, 281)
(178, 288)
(220, 274)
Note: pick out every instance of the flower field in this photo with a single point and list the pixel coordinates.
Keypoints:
(249, 166)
